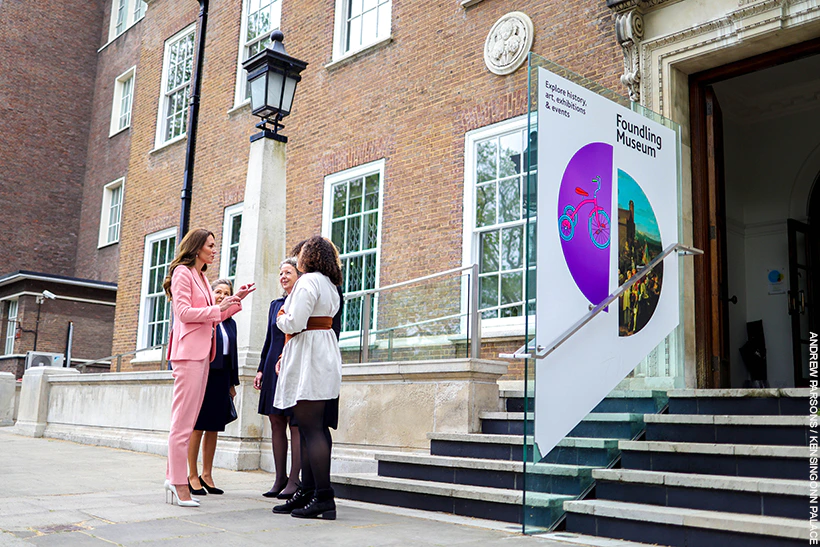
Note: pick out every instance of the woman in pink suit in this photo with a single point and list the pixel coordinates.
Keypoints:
(191, 348)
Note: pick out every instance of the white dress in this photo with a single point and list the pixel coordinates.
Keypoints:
(311, 361)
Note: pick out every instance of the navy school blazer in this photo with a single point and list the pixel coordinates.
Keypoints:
(219, 362)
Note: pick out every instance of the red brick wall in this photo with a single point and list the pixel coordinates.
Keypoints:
(410, 102)
(48, 64)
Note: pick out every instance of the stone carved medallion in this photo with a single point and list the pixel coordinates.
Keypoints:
(508, 43)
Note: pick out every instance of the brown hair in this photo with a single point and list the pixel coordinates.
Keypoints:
(188, 248)
(320, 255)
(223, 281)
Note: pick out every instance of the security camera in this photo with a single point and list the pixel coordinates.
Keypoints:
(50, 295)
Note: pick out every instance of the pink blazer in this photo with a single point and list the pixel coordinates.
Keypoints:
(195, 316)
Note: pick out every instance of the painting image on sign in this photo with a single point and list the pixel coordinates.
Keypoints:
(639, 242)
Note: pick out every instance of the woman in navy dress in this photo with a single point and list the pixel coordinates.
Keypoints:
(265, 381)
(216, 405)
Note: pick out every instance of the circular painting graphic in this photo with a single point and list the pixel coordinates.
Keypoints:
(584, 219)
(639, 241)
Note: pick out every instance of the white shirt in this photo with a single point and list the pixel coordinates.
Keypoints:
(311, 361)
(225, 342)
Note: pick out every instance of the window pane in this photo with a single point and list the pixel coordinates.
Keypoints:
(355, 271)
(339, 200)
(485, 205)
(488, 289)
(512, 287)
(371, 237)
(354, 232)
(369, 27)
(512, 248)
(355, 204)
(489, 252)
(338, 235)
(510, 155)
(485, 164)
(354, 8)
(509, 200)
(384, 20)
(371, 200)
(354, 37)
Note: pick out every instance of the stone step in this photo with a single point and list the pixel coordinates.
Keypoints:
(680, 527)
(771, 402)
(620, 425)
(570, 450)
(471, 501)
(776, 462)
(783, 430)
(756, 496)
(541, 477)
(629, 401)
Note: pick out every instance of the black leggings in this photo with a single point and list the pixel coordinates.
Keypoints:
(316, 444)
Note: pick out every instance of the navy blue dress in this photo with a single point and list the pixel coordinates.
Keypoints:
(274, 342)
(223, 373)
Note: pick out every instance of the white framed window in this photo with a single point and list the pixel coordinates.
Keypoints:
(177, 67)
(231, 228)
(259, 19)
(360, 24)
(495, 220)
(111, 213)
(11, 327)
(124, 14)
(123, 98)
(155, 308)
(352, 211)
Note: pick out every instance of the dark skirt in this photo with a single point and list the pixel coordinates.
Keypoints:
(266, 407)
(215, 406)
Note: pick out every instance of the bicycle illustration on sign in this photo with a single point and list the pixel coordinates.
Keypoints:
(598, 224)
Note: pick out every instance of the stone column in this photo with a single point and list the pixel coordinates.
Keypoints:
(32, 416)
(8, 391)
(261, 249)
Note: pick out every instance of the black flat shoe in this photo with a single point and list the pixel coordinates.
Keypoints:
(299, 499)
(210, 489)
(274, 492)
(286, 495)
(200, 492)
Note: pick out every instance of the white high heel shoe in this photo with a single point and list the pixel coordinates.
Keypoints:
(172, 498)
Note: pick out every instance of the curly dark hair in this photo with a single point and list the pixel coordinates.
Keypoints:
(320, 255)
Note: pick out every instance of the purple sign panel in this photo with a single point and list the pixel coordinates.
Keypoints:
(584, 213)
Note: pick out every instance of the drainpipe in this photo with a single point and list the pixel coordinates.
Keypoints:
(193, 118)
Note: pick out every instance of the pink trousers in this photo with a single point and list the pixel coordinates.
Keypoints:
(190, 378)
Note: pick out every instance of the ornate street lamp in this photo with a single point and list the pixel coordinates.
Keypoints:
(272, 78)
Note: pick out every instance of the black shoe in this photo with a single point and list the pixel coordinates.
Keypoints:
(286, 495)
(210, 489)
(200, 492)
(274, 492)
(299, 499)
(321, 506)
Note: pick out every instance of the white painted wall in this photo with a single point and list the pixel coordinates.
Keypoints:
(764, 162)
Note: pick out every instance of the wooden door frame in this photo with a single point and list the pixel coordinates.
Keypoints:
(698, 83)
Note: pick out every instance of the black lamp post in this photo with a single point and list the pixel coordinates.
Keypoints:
(272, 77)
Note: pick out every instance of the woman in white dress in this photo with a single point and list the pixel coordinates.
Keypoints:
(310, 374)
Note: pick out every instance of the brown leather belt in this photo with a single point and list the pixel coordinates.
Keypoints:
(313, 323)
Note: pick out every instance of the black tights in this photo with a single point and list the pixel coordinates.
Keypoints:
(316, 444)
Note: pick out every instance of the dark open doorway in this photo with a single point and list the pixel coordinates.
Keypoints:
(745, 244)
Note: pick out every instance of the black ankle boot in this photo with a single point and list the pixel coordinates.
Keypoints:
(321, 506)
(299, 499)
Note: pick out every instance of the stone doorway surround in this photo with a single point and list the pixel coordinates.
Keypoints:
(665, 41)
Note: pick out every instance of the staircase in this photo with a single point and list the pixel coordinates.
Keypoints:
(723, 467)
(482, 474)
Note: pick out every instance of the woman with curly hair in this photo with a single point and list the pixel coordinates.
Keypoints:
(310, 374)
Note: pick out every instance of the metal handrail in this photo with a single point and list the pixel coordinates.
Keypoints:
(541, 351)
(119, 357)
(473, 325)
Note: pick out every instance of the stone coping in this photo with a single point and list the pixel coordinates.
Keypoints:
(451, 369)
(591, 417)
(739, 393)
(692, 419)
(492, 465)
(480, 493)
(719, 449)
(113, 377)
(695, 518)
(566, 442)
(711, 482)
(617, 394)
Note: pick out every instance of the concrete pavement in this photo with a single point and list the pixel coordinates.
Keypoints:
(58, 493)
